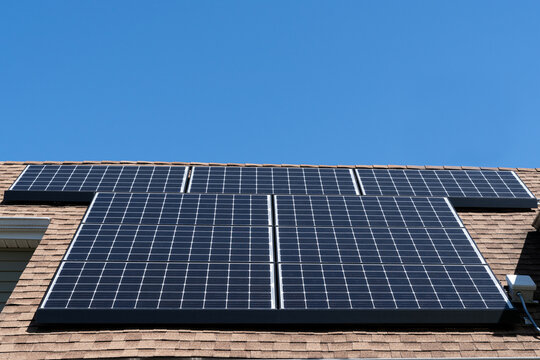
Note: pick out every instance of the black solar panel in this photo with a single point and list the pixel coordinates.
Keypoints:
(383, 259)
(476, 188)
(160, 258)
(144, 255)
(80, 182)
(102, 242)
(273, 180)
(376, 246)
(364, 211)
(180, 209)
(348, 286)
(151, 285)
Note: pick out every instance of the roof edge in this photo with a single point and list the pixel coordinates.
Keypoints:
(179, 163)
(416, 358)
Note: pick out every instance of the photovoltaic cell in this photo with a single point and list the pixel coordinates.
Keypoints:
(180, 209)
(350, 286)
(364, 211)
(102, 178)
(377, 246)
(465, 187)
(272, 180)
(102, 242)
(151, 285)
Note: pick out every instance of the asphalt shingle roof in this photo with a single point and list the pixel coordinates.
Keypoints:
(506, 238)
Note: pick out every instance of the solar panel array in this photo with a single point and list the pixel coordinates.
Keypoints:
(261, 245)
(273, 180)
(476, 188)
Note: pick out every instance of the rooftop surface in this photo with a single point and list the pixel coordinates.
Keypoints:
(506, 239)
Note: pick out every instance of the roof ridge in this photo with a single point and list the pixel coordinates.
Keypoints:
(180, 163)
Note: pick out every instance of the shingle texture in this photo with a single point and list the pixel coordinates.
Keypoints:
(506, 238)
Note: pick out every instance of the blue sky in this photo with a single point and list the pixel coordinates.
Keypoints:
(333, 82)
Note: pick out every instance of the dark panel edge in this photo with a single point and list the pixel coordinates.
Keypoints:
(48, 197)
(274, 317)
(500, 203)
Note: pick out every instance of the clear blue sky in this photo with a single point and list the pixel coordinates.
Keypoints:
(334, 82)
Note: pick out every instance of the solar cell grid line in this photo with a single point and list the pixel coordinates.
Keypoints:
(272, 180)
(465, 188)
(490, 189)
(118, 178)
(94, 178)
(140, 284)
(161, 288)
(94, 294)
(473, 188)
(165, 243)
(364, 211)
(386, 286)
(453, 186)
(429, 253)
(150, 250)
(150, 285)
(376, 245)
(70, 176)
(180, 209)
(49, 182)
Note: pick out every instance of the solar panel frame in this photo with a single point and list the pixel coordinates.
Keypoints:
(464, 188)
(279, 318)
(81, 193)
(271, 180)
